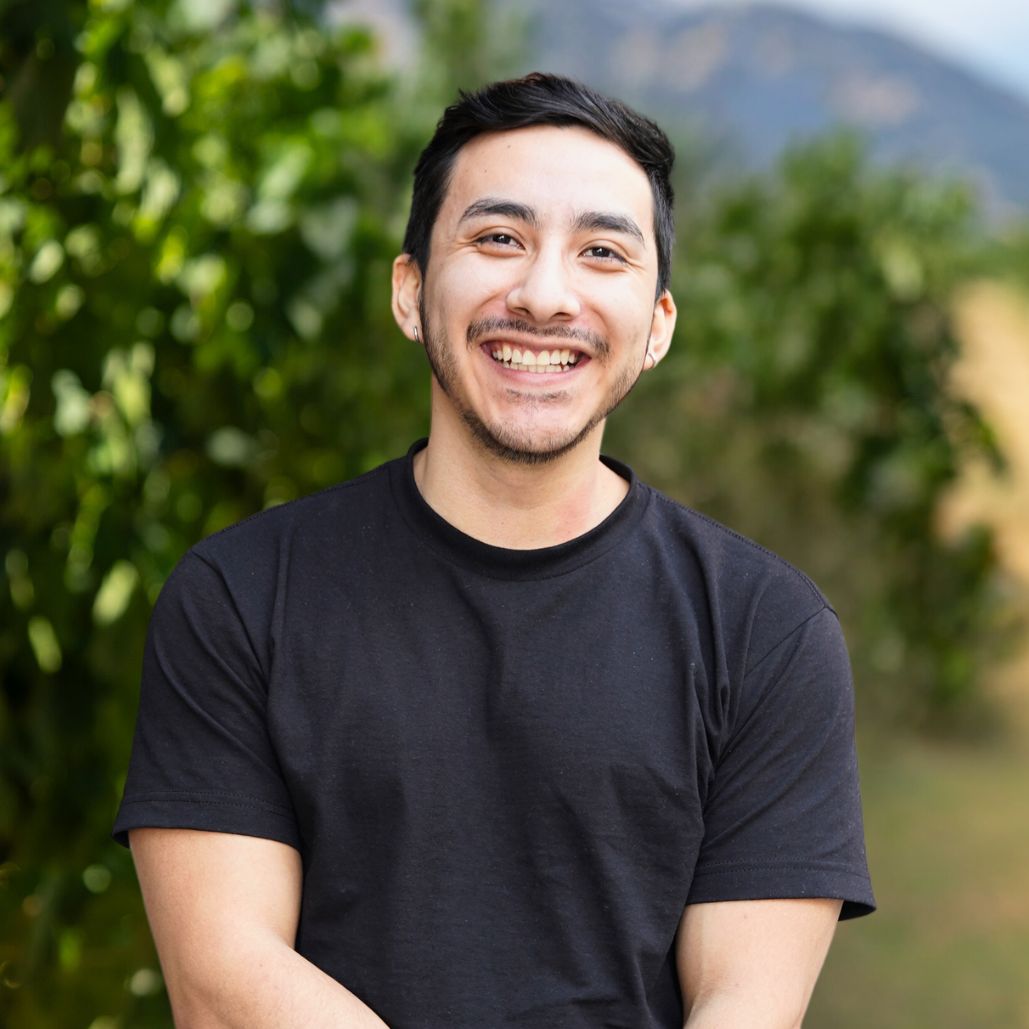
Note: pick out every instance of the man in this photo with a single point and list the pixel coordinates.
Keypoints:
(496, 735)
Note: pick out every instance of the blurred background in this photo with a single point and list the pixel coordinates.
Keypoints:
(199, 202)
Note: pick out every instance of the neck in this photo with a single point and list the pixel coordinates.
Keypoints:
(513, 505)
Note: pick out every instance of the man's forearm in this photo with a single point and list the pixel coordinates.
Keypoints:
(264, 984)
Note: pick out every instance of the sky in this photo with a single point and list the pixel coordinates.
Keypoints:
(990, 37)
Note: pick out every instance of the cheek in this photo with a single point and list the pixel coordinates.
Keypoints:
(454, 300)
(471, 284)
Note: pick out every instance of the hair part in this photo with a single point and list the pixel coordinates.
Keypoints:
(540, 99)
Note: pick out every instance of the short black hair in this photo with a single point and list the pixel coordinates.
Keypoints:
(540, 99)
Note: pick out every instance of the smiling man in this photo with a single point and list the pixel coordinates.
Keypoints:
(496, 735)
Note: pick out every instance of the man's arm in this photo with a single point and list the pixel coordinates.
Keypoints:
(752, 964)
(223, 910)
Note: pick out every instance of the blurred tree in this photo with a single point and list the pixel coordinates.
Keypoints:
(483, 42)
(37, 64)
(194, 269)
(814, 344)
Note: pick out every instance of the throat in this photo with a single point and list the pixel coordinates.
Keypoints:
(519, 508)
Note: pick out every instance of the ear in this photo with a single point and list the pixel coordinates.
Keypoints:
(407, 288)
(662, 328)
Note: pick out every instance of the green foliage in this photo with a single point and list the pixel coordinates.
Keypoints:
(812, 357)
(195, 324)
(38, 59)
(482, 43)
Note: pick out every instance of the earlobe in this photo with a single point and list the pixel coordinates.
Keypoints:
(407, 284)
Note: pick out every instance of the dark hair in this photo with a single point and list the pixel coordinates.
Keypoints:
(540, 99)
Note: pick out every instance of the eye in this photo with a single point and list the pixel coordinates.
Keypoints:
(603, 253)
(497, 239)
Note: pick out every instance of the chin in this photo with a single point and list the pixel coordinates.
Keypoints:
(525, 448)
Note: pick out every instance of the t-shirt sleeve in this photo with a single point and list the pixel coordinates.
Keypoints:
(202, 757)
(783, 813)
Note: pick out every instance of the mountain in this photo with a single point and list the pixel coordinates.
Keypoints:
(755, 77)
(765, 75)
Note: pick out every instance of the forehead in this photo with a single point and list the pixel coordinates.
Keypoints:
(556, 170)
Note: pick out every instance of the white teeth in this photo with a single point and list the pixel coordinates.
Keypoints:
(528, 361)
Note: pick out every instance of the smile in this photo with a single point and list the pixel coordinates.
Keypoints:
(521, 360)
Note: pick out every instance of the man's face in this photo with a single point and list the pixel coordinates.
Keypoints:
(537, 306)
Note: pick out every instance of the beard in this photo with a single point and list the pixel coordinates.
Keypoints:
(522, 445)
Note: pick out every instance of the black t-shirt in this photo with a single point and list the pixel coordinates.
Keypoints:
(506, 771)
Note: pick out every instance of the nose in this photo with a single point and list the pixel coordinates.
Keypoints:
(544, 291)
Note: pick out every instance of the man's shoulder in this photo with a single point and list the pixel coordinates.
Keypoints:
(327, 517)
(740, 570)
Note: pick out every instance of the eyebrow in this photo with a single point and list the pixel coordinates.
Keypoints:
(593, 221)
(503, 208)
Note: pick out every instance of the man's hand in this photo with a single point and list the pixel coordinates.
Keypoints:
(752, 964)
(223, 910)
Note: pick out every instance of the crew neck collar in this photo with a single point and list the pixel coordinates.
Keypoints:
(457, 547)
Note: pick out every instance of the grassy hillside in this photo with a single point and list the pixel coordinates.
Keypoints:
(948, 834)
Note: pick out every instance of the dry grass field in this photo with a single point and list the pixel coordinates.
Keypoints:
(948, 823)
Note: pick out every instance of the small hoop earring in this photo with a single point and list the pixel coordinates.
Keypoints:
(416, 339)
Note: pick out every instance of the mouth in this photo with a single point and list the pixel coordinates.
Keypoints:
(521, 359)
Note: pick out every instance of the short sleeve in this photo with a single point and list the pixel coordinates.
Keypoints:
(783, 815)
(202, 756)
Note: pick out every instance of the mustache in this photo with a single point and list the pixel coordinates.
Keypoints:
(487, 326)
